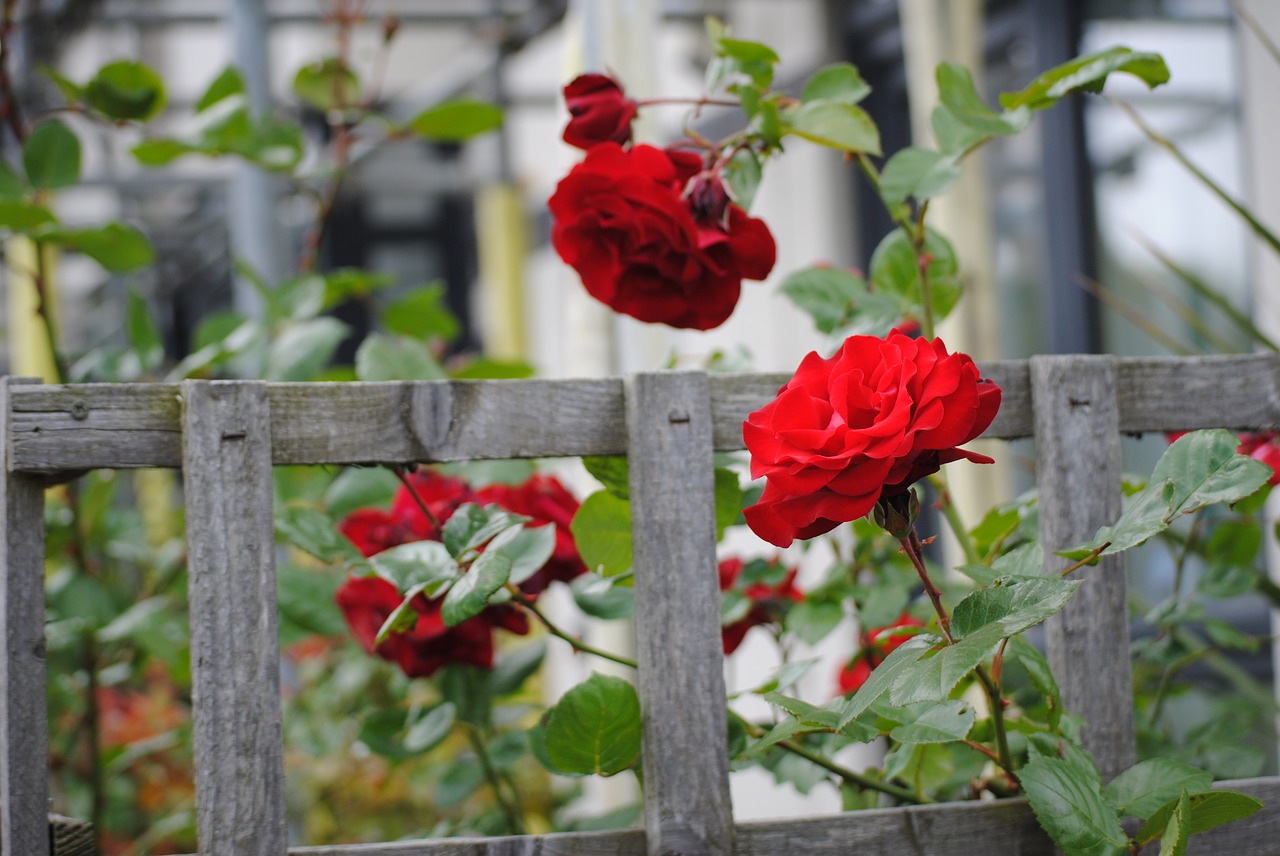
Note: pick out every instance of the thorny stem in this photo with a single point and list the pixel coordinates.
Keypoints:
(509, 809)
(853, 778)
(914, 549)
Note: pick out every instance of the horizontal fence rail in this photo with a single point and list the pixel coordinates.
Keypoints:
(120, 426)
(226, 436)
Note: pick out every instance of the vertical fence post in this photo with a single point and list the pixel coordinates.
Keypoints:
(681, 677)
(1077, 431)
(24, 743)
(235, 658)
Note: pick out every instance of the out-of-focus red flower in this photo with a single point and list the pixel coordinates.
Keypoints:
(876, 644)
(601, 111)
(420, 651)
(367, 602)
(546, 500)
(768, 587)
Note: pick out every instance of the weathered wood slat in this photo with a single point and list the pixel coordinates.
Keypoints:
(688, 809)
(24, 742)
(1078, 478)
(235, 662)
(60, 428)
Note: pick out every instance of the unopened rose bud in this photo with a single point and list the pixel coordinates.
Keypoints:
(897, 514)
(708, 198)
(601, 111)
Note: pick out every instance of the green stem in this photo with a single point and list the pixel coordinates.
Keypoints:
(919, 236)
(574, 642)
(512, 811)
(422, 506)
(996, 701)
(1087, 560)
(853, 778)
(1179, 573)
(952, 515)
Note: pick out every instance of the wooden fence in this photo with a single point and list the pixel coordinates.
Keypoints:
(227, 435)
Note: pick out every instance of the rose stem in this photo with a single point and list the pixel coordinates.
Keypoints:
(574, 642)
(422, 506)
(512, 811)
(913, 548)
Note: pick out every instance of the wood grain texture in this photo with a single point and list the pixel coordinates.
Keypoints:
(62, 428)
(1078, 478)
(688, 810)
(235, 668)
(24, 740)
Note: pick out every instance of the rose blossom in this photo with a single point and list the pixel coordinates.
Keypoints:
(623, 222)
(866, 423)
(769, 601)
(601, 112)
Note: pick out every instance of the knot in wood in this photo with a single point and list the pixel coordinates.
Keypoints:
(79, 410)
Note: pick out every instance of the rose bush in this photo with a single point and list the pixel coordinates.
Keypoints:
(867, 423)
(601, 112)
(623, 221)
(760, 596)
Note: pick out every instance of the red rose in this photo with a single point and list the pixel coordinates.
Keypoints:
(373, 530)
(367, 602)
(1263, 446)
(865, 424)
(876, 645)
(768, 587)
(601, 112)
(623, 223)
(544, 499)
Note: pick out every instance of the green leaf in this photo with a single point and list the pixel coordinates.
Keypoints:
(471, 526)
(602, 530)
(143, 333)
(515, 665)
(312, 532)
(1066, 796)
(360, 487)
(1176, 832)
(469, 689)
(894, 270)
(426, 565)
(1143, 788)
(70, 90)
(430, 730)
(272, 144)
(470, 595)
(116, 246)
(916, 172)
(305, 597)
(728, 497)
(487, 368)
(834, 124)
(1199, 469)
(742, 174)
(528, 549)
(604, 597)
(23, 216)
(900, 661)
(595, 727)
(51, 155)
(126, 90)
(327, 84)
(954, 137)
(422, 314)
(1037, 667)
(612, 472)
(1015, 605)
(13, 188)
(456, 120)
(1087, 74)
(1232, 549)
(940, 723)
(161, 151)
(839, 302)
(388, 357)
(380, 732)
(1214, 808)
(226, 84)
(303, 349)
(965, 105)
(837, 82)
(812, 620)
